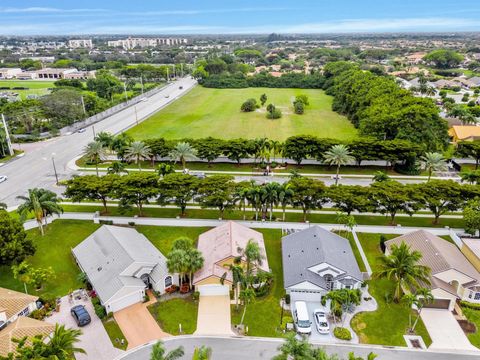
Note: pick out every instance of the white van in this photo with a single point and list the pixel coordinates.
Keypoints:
(302, 321)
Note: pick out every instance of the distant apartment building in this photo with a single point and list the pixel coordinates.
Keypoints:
(132, 43)
(80, 43)
(9, 73)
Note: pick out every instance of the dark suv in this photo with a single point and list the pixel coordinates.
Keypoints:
(81, 315)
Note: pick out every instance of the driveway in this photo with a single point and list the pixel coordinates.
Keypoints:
(445, 331)
(214, 315)
(316, 336)
(94, 339)
(138, 325)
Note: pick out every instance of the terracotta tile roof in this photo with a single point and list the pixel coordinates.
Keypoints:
(222, 243)
(20, 328)
(462, 132)
(13, 301)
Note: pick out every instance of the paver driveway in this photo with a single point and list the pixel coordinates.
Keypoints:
(94, 339)
(445, 331)
(138, 325)
(214, 315)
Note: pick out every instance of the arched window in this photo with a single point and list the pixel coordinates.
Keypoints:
(328, 281)
(168, 281)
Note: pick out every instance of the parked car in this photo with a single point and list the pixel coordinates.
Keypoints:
(321, 321)
(81, 131)
(302, 321)
(180, 87)
(3, 178)
(81, 315)
(167, 96)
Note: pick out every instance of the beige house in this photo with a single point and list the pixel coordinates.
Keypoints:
(14, 304)
(452, 276)
(464, 133)
(220, 246)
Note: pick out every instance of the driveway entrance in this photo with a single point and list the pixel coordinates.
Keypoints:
(214, 311)
(445, 331)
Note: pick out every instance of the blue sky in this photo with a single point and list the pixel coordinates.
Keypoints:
(59, 17)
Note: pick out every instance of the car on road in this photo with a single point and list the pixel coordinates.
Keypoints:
(3, 178)
(81, 315)
(81, 131)
(180, 87)
(144, 99)
(321, 321)
(167, 96)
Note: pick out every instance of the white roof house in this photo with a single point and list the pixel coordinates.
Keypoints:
(121, 264)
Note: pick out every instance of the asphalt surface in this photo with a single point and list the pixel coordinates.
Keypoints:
(35, 169)
(266, 348)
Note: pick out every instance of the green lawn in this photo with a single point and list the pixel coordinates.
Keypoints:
(169, 314)
(263, 315)
(38, 87)
(54, 249)
(115, 334)
(216, 112)
(163, 237)
(388, 324)
(474, 317)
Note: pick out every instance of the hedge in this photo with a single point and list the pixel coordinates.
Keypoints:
(342, 333)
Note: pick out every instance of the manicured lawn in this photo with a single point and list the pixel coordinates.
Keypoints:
(263, 315)
(115, 334)
(34, 87)
(216, 112)
(163, 237)
(355, 250)
(388, 324)
(170, 313)
(474, 317)
(54, 249)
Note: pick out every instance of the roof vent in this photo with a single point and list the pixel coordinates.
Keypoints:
(99, 268)
(302, 251)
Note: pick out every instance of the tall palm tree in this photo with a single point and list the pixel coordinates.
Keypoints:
(120, 143)
(105, 138)
(242, 197)
(138, 151)
(117, 167)
(195, 262)
(424, 297)
(202, 353)
(182, 152)
(254, 198)
(95, 153)
(270, 196)
(41, 203)
(285, 195)
(177, 262)
(433, 161)
(62, 343)
(159, 352)
(238, 276)
(338, 155)
(410, 300)
(252, 256)
(402, 266)
(247, 295)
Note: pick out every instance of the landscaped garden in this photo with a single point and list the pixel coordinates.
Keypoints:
(216, 112)
(388, 324)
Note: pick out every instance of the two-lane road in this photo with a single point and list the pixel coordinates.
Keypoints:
(35, 169)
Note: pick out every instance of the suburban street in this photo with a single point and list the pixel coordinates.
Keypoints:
(35, 168)
(266, 348)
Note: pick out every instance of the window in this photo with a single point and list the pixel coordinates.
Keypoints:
(477, 296)
(24, 312)
(329, 282)
(348, 287)
(168, 281)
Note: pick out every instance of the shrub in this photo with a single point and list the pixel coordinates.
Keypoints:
(470, 305)
(249, 105)
(442, 93)
(303, 99)
(106, 222)
(38, 314)
(273, 164)
(342, 333)
(382, 242)
(131, 223)
(274, 114)
(196, 295)
(287, 299)
(100, 311)
(299, 107)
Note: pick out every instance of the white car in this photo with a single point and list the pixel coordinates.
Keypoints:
(3, 178)
(321, 321)
(81, 131)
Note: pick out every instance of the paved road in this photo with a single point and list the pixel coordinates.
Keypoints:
(35, 169)
(265, 348)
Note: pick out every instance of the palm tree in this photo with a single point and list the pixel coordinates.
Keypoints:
(410, 300)
(247, 295)
(120, 143)
(432, 161)
(105, 138)
(238, 279)
(252, 256)
(424, 297)
(402, 267)
(294, 348)
(202, 353)
(138, 151)
(270, 196)
(177, 262)
(338, 155)
(182, 152)
(242, 197)
(95, 153)
(62, 343)
(285, 196)
(41, 203)
(117, 167)
(470, 176)
(195, 262)
(159, 352)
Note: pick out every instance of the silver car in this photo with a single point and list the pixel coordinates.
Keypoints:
(3, 178)
(321, 321)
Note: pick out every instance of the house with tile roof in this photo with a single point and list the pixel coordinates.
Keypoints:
(14, 304)
(316, 261)
(121, 264)
(452, 276)
(464, 133)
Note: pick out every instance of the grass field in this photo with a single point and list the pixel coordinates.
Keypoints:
(39, 87)
(216, 112)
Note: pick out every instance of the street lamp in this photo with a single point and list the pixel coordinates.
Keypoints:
(54, 168)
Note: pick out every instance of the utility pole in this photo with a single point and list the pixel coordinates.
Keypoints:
(93, 130)
(7, 136)
(136, 115)
(83, 105)
(54, 168)
(125, 90)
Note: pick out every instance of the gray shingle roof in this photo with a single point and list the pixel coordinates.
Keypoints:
(109, 251)
(313, 246)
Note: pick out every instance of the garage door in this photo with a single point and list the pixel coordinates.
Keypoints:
(309, 296)
(439, 304)
(213, 290)
(124, 302)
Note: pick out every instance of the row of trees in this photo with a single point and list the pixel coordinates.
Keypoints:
(223, 193)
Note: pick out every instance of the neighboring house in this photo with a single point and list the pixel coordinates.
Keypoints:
(316, 261)
(220, 246)
(20, 328)
(464, 133)
(445, 84)
(14, 304)
(121, 263)
(9, 73)
(471, 250)
(452, 276)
